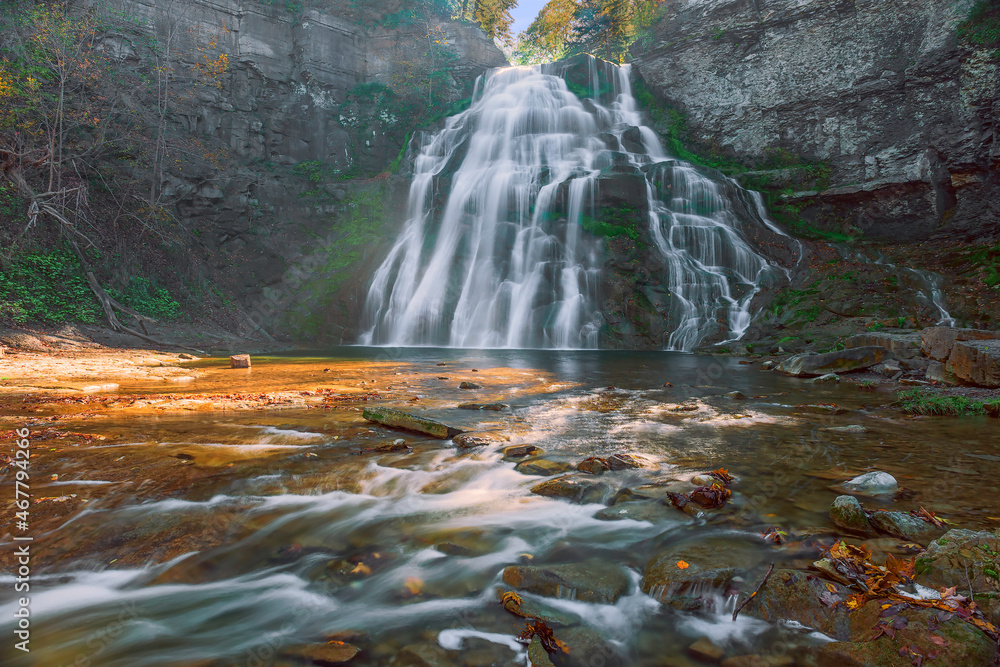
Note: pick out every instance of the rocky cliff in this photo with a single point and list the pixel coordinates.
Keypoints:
(283, 125)
(897, 115)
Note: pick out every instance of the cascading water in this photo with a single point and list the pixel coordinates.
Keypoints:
(511, 205)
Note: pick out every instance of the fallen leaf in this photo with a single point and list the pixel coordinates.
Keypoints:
(681, 565)
(414, 585)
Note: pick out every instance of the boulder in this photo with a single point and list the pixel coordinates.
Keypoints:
(520, 451)
(593, 465)
(589, 581)
(540, 466)
(838, 361)
(793, 595)
(904, 526)
(574, 489)
(900, 346)
(962, 558)
(874, 483)
(936, 373)
(408, 422)
(847, 513)
(239, 361)
(917, 632)
(937, 342)
(976, 362)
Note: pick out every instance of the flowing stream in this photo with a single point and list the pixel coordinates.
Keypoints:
(512, 204)
(288, 532)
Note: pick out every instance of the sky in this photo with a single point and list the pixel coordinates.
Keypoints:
(525, 13)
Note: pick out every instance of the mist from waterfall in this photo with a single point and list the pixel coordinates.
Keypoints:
(502, 245)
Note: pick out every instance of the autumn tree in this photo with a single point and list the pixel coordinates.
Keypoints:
(493, 16)
(552, 30)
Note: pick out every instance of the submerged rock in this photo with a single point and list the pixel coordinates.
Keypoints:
(331, 653)
(470, 385)
(652, 511)
(571, 488)
(422, 655)
(589, 581)
(838, 361)
(822, 409)
(706, 650)
(850, 428)
(847, 513)
(825, 379)
(687, 575)
(496, 407)
(875, 483)
(540, 466)
(408, 422)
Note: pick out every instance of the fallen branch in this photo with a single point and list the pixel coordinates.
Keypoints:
(763, 581)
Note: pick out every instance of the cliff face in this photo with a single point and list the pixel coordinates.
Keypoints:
(283, 122)
(902, 116)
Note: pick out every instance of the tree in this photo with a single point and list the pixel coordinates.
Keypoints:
(493, 16)
(548, 35)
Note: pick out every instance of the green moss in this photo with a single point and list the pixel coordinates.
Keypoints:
(982, 27)
(613, 221)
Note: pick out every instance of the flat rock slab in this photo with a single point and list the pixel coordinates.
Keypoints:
(590, 581)
(838, 361)
(937, 342)
(901, 346)
(975, 362)
(408, 422)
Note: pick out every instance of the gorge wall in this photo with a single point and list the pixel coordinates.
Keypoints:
(897, 115)
(283, 125)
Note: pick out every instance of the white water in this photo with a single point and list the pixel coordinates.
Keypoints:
(496, 251)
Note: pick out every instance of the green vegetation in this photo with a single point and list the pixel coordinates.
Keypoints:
(982, 27)
(147, 297)
(985, 260)
(611, 222)
(790, 298)
(920, 401)
(46, 287)
(605, 28)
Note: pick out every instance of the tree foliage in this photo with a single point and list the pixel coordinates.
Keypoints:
(605, 28)
(493, 16)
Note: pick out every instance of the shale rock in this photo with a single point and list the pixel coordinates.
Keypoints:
(976, 362)
(838, 361)
(900, 346)
(937, 342)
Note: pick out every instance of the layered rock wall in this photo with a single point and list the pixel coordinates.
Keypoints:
(880, 91)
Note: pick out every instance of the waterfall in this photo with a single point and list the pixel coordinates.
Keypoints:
(515, 202)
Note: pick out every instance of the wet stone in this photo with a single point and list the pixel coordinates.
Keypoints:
(409, 422)
(687, 576)
(904, 526)
(822, 409)
(737, 395)
(653, 511)
(847, 513)
(875, 483)
(422, 655)
(829, 378)
(574, 489)
(624, 461)
(794, 595)
(590, 581)
(520, 451)
(469, 440)
(540, 466)
(706, 650)
(332, 653)
(593, 465)
(959, 557)
(537, 655)
(470, 385)
(850, 428)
